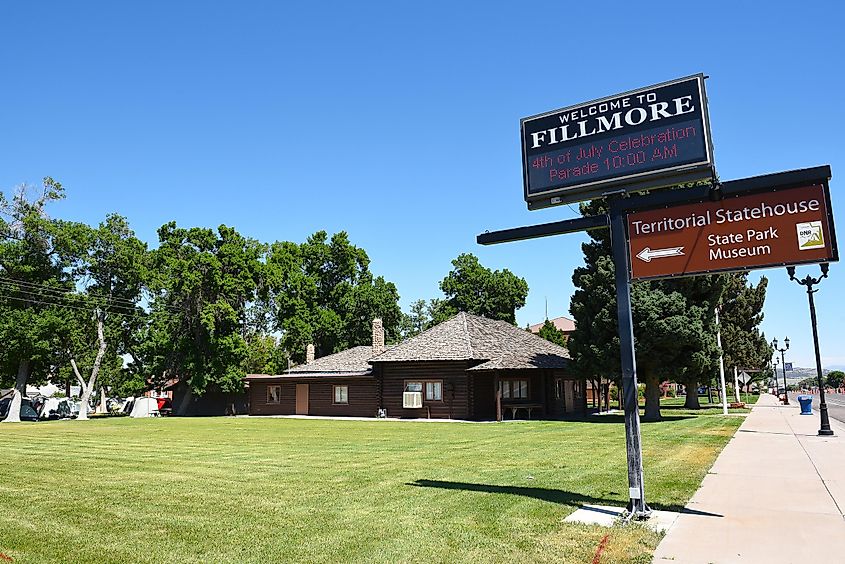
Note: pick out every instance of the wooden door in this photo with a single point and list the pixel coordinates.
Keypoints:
(302, 399)
(568, 396)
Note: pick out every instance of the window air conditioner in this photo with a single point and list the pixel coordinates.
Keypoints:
(412, 400)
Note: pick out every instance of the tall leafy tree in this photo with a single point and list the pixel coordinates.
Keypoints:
(111, 273)
(36, 254)
(201, 282)
(322, 292)
(474, 288)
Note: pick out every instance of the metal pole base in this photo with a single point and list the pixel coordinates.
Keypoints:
(637, 511)
(824, 427)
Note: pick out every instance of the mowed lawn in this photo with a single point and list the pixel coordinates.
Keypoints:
(271, 489)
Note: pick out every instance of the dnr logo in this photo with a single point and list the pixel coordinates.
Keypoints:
(810, 235)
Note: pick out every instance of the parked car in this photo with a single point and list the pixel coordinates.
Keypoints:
(28, 412)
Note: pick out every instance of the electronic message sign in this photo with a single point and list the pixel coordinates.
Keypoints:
(655, 136)
(760, 230)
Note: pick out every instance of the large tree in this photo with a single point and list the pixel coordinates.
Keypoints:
(201, 282)
(36, 256)
(474, 288)
(322, 292)
(741, 313)
(110, 274)
(673, 321)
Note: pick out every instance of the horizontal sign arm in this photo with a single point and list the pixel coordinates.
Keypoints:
(544, 230)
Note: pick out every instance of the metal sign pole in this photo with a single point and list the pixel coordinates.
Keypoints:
(621, 258)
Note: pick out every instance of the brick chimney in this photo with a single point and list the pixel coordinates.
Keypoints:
(309, 354)
(378, 336)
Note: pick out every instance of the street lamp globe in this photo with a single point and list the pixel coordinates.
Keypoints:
(786, 342)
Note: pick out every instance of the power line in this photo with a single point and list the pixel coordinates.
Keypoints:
(60, 291)
(57, 304)
(69, 296)
(56, 293)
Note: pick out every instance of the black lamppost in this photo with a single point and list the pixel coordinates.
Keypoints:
(774, 364)
(809, 282)
(783, 363)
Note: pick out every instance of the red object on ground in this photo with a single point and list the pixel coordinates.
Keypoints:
(600, 549)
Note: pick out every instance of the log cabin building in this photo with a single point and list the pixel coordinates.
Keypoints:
(468, 367)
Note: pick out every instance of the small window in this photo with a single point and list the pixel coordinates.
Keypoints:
(341, 394)
(413, 386)
(434, 391)
(274, 394)
(520, 389)
(514, 389)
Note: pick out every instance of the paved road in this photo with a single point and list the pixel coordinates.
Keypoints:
(835, 405)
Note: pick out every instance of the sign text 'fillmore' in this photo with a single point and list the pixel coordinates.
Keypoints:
(646, 138)
(773, 228)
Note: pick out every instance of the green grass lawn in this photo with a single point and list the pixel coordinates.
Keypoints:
(262, 490)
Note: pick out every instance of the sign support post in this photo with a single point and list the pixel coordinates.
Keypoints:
(636, 490)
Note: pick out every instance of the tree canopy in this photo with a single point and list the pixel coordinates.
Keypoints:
(673, 321)
(322, 292)
(473, 288)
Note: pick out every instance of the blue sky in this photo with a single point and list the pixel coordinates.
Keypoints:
(399, 123)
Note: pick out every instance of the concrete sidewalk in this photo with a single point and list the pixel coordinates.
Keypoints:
(775, 494)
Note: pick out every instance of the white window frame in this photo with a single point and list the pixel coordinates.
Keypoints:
(335, 389)
(433, 385)
(278, 399)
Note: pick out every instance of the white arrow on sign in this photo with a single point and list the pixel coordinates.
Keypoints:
(647, 254)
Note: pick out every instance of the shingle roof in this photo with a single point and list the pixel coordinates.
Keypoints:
(471, 337)
(350, 360)
(463, 337)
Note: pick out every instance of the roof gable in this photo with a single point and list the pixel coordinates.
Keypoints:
(472, 337)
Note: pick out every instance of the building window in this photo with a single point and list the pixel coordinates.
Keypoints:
(558, 388)
(433, 388)
(434, 391)
(341, 394)
(274, 394)
(514, 389)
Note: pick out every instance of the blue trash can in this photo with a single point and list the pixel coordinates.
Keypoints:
(806, 404)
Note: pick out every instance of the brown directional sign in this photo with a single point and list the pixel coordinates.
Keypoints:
(760, 230)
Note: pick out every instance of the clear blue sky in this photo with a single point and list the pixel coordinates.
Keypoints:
(399, 123)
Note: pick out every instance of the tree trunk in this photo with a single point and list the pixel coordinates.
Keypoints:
(652, 397)
(88, 388)
(24, 370)
(691, 400)
(184, 406)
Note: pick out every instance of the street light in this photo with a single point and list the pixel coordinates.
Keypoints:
(773, 364)
(783, 363)
(809, 282)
